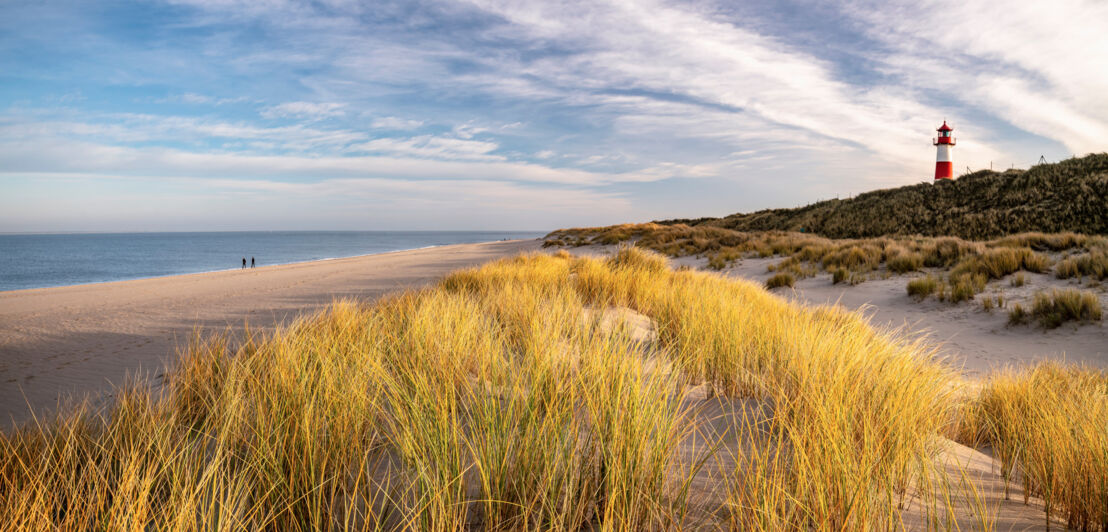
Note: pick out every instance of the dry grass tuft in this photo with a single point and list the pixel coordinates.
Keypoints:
(1093, 265)
(1056, 307)
(779, 280)
(971, 265)
(1048, 424)
(923, 287)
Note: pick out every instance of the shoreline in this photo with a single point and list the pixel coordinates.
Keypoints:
(80, 340)
(232, 270)
(170, 275)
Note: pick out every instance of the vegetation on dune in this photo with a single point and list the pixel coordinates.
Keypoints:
(499, 399)
(924, 287)
(1018, 315)
(1048, 425)
(779, 280)
(1058, 306)
(1093, 265)
(969, 266)
(1070, 195)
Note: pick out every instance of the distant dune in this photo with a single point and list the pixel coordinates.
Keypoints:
(1070, 195)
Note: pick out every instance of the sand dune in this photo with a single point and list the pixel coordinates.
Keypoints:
(81, 340)
(974, 340)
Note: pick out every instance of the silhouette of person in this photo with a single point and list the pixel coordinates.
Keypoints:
(251, 262)
(244, 263)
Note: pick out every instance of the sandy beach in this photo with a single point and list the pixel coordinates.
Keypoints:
(82, 340)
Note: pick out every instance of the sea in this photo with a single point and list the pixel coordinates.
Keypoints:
(44, 260)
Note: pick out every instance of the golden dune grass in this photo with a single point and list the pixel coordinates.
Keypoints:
(500, 399)
(971, 264)
(1048, 424)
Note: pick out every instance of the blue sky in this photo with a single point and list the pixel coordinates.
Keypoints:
(335, 114)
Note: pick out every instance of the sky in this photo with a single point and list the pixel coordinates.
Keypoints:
(213, 115)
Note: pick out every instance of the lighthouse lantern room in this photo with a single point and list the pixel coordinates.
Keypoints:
(944, 165)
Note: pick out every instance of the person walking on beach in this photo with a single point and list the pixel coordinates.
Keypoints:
(244, 263)
(251, 262)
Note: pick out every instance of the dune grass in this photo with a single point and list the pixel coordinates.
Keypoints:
(1056, 307)
(779, 280)
(960, 269)
(1048, 424)
(924, 287)
(1093, 265)
(502, 399)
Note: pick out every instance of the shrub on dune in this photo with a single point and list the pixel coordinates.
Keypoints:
(1047, 425)
(779, 280)
(1093, 265)
(923, 287)
(999, 262)
(1058, 306)
(905, 262)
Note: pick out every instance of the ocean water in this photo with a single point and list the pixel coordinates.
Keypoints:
(41, 260)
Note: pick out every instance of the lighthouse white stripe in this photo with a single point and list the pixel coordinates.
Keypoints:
(944, 154)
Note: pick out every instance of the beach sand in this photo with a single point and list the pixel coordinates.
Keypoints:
(82, 340)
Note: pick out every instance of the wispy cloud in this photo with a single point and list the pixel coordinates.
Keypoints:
(433, 147)
(309, 110)
(392, 122)
(417, 158)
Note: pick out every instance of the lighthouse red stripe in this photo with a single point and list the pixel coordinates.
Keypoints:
(944, 170)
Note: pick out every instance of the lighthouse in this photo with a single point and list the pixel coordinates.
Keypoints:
(944, 165)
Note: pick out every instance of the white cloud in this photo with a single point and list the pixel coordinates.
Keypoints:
(432, 147)
(469, 130)
(147, 128)
(415, 158)
(192, 97)
(392, 122)
(310, 110)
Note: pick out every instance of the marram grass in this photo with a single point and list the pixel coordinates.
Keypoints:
(505, 398)
(970, 265)
(1048, 425)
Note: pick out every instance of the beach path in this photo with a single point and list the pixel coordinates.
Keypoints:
(82, 340)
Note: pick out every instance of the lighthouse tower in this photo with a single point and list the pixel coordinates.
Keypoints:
(944, 165)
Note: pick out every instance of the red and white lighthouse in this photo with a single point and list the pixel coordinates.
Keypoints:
(944, 163)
